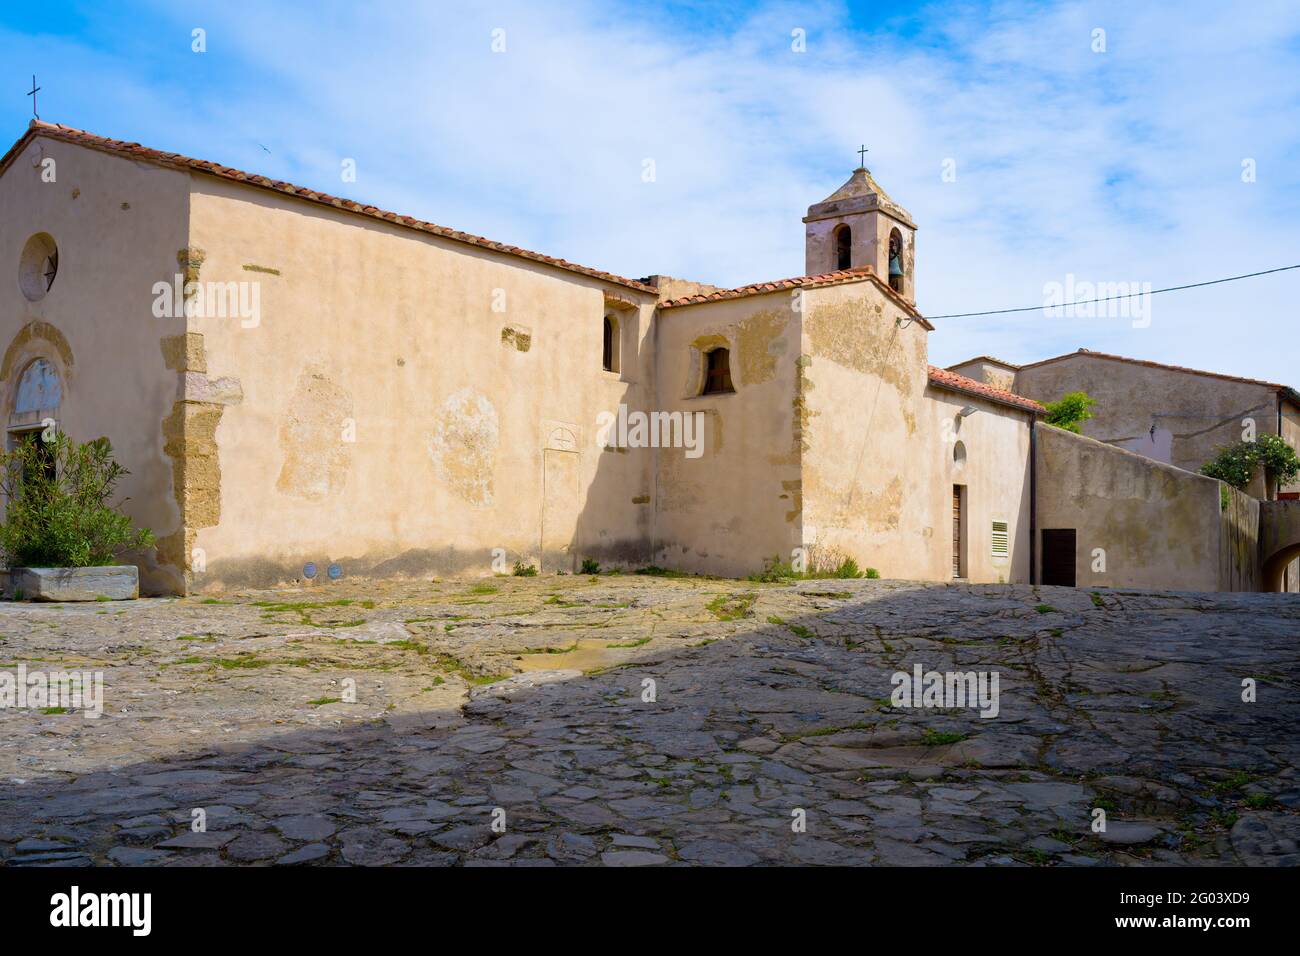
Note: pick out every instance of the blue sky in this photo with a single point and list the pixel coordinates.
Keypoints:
(1115, 166)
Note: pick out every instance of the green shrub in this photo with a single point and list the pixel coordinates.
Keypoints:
(873, 574)
(775, 570)
(525, 570)
(590, 567)
(848, 568)
(58, 514)
(1070, 411)
(1237, 464)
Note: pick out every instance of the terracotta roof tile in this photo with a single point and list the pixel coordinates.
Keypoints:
(178, 161)
(946, 379)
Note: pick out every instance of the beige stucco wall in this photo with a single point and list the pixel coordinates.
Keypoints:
(1159, 526)
(739, 503)
(1193, 416)
(879, 462)
(392, 420)
(118, 226)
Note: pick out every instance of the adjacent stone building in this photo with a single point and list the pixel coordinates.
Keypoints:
(1169, 414)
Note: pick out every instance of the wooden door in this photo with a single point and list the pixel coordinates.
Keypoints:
(958, 568)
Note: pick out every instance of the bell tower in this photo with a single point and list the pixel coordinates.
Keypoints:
(859, 226)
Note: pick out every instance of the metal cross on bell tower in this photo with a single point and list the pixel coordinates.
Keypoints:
(862, 153)
(35, 89)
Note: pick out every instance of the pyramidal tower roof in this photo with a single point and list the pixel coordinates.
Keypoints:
(860, 194)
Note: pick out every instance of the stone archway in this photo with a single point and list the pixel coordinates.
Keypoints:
(36, 371)
(1279, 541)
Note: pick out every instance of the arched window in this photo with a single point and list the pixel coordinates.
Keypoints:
(39, 390)
(609, 349)
(36, 403)
(717, 372)
(896, 260)
(843, 248)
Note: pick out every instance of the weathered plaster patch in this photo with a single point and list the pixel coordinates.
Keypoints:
(518, 336)
(850, 334)
(313, 435)
(641, 500)
(676, 493)
(759, 342)
(464, 444)
(803, 413)
(883, 507)
(793, 490)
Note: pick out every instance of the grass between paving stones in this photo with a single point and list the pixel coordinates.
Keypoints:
(304, 609)
(798, 629)
(937, 738)
(454, 665)
(732, 607)
(826, 731)
(551, 650)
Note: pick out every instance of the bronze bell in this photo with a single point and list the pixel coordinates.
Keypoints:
(895, 266)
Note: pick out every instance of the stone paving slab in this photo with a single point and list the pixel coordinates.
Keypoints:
(627, 720)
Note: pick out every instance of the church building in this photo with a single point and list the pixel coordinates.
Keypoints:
(306, 387)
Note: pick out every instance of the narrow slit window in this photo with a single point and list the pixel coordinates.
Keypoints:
(717, 372)
(609, 346)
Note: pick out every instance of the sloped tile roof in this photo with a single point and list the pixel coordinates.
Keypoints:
(178, 161)
(1088, 353)
(946, 379)
(865, 274)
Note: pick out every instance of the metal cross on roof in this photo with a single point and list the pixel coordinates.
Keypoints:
(862, 153)
(35, 89)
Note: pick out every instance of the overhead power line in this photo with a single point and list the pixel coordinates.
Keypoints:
(1112, 298)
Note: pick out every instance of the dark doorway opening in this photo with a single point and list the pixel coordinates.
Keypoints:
(1058, 556)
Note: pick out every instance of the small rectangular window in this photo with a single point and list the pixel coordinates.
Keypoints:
(717, 372)
(1001, 540)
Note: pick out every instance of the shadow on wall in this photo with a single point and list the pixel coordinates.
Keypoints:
(580, 524)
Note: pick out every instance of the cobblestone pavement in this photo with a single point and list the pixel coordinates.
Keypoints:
(529, 695)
